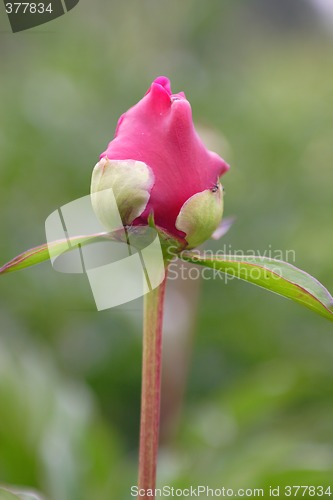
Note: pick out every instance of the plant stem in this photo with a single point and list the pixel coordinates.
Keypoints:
(151, 388)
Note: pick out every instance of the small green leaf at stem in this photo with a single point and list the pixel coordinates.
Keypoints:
(274, 275)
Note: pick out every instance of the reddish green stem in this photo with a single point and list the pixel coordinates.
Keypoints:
(151, 390)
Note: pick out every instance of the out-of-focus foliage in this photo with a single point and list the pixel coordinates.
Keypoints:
(258, 408)
(51, 433)
(6, 494)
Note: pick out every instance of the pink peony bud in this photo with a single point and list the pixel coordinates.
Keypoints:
(164, 169)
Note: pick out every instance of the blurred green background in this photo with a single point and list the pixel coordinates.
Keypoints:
(257, 369)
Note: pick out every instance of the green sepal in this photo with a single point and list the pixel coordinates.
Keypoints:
(200, 215)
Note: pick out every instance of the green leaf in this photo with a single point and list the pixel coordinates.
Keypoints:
(41, 253)
(132, 235)
(274, 275)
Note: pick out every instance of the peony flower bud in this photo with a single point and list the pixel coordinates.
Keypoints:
(157, 165)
